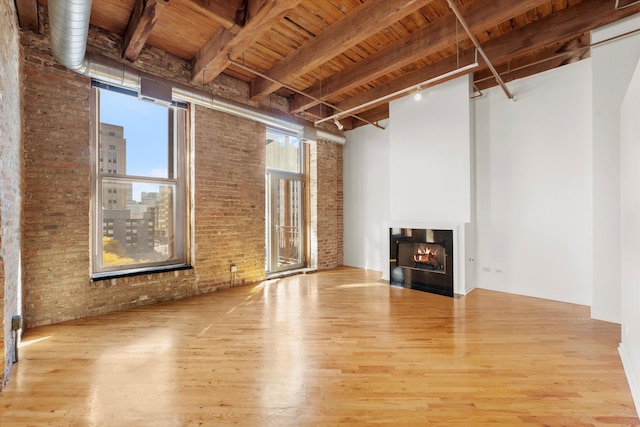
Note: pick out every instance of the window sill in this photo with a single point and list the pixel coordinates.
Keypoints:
(138, 272)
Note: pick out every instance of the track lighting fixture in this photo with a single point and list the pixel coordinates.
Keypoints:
(339, 125)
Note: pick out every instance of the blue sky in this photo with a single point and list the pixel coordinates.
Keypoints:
(145, 129)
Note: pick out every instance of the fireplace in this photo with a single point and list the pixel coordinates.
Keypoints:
(422, 259)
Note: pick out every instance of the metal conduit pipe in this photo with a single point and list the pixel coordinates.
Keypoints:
(69, 25)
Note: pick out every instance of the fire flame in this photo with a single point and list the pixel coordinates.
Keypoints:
(426, 256)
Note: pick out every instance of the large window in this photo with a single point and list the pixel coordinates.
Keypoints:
(285, 199)
(140, 202)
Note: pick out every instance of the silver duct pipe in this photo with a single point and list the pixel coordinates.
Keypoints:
(69, 25)
(69, 21)
(115, 73)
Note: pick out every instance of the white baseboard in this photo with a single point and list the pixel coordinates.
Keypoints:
(631, 379)
(468, 289)
(606, 317)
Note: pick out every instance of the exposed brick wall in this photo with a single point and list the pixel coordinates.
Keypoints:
(229, 202)
(229, 193)
(10, 178)
(230, 198)
(57, 186)
(329, 203)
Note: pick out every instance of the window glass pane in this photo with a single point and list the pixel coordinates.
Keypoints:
(140, 193)
(283, 151)
(135, 135)
(137, 228)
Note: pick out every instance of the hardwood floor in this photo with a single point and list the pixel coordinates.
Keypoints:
(330, 348)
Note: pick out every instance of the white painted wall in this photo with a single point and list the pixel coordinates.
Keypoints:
(613, 64)
(630, 233)
(470, 230)
(366, 197)
(557, 205)
(534, 186)
(430, 155)
(424, 157)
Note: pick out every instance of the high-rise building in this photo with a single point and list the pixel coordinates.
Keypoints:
(113, 160)
(135, 233)
(129, 222)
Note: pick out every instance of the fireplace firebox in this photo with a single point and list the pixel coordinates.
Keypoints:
(422, 259)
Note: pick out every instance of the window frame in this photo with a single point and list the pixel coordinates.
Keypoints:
(271, 175)
(178, 174)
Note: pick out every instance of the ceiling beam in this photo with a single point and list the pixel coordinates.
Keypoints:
(28, 14)
(224, 12)
(143, 17)
(224, 46)
(572, 21)
(440, 34)
(364, 22)
(374, 115)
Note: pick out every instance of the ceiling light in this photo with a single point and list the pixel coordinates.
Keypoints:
(418, 94)
(339, 125)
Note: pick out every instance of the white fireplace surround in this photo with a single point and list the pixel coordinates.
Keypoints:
(459, 262)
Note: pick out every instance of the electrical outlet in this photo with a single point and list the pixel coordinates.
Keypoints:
(234, 268)
(16, 323)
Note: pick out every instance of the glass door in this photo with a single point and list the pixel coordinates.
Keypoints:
(285, 250)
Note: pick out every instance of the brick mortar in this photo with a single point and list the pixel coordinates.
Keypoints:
(329, 204)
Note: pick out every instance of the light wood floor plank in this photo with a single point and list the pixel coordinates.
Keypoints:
(332, 348)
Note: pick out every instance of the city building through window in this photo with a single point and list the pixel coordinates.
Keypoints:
(140, 213)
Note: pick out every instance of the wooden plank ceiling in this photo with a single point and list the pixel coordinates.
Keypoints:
(350, 53)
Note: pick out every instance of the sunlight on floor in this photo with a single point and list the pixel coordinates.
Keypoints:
(34, 341)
